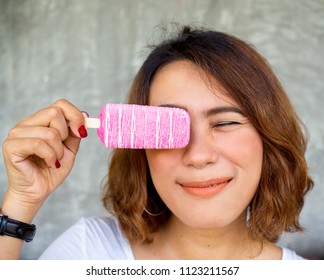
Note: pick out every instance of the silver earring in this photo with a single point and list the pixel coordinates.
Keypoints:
(248, 215)
(151, 214)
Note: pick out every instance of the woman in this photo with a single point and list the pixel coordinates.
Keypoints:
(229, 194)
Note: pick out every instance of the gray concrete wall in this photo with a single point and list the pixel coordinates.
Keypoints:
(88, 52)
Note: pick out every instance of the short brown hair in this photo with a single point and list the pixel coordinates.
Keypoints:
(249, 80)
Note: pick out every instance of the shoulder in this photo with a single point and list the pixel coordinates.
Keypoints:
(288, 254)
(101, 227)
(91, 238)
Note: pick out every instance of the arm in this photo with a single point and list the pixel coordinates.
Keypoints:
(39, 153)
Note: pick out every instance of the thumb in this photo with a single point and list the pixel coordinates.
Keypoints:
(72, 142)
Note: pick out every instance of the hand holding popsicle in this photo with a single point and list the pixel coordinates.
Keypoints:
(39, 153)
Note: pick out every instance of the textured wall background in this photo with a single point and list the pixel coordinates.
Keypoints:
(88, 52)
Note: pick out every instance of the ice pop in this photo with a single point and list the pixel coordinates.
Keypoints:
(142, 127)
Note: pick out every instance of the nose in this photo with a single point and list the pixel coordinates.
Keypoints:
(201, 150)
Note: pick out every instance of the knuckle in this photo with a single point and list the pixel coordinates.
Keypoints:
(54, 112)
(36, 143)
(20, 122)
(5, 146)
(12, 133)
(52, 135)
(61, 102)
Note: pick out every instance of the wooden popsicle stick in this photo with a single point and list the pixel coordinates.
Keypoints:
(92, 122)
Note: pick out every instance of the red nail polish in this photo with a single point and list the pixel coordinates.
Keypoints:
(57, 164)
(82, 131)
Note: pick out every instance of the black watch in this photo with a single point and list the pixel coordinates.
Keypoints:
(17, 229)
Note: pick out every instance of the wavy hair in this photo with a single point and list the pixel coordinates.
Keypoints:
(249, 80)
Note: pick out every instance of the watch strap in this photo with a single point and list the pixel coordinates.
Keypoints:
(17, 229)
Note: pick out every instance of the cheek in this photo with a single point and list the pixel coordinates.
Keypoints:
(161, 162)
(245, 149)
(162, 165)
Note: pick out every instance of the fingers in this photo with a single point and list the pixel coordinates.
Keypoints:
(48, 132)
(60, 115)
(40, 139)
(18, 149)
(73, 116)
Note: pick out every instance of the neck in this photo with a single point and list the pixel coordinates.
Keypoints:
(183, 242)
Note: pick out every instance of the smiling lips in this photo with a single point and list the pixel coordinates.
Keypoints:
(207, 188)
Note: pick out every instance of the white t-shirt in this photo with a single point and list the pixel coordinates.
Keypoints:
(99, 238)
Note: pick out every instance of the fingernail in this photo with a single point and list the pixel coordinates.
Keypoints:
(85, 113)
(57, 164)
(82, 131)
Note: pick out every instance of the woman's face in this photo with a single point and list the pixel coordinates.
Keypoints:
(209, 183)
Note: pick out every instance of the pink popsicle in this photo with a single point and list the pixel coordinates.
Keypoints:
(143, 127)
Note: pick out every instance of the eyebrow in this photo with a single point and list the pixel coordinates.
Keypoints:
(212, 111)
(223, 109)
